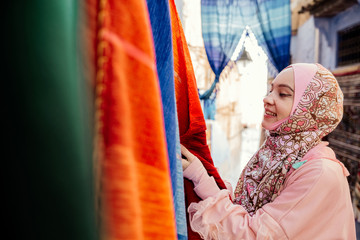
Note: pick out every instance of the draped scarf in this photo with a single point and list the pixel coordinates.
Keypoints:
(316, 111)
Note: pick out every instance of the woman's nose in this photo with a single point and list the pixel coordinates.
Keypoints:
(268, 99)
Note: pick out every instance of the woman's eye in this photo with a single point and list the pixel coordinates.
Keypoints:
(284, 95)
(267, 94)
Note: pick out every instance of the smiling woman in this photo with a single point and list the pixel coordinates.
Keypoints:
(293, 186)
(278, 103)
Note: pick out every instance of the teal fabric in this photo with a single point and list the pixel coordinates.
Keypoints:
(298, 164)
(49, 176)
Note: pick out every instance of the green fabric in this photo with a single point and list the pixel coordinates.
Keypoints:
(298, 164)
(49, 177)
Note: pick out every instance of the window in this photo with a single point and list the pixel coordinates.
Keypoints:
(348, 46)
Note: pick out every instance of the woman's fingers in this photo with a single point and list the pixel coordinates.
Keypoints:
(190, 157)
(185, 164)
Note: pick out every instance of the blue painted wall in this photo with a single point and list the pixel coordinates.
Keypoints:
(303, 44)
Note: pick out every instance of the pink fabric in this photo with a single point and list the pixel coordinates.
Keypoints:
(318, 111)
(205, 186)
(314, 203)
(323, 152)
(303, 73)
(195, 171)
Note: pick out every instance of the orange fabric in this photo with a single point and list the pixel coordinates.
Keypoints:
(192, 124)
(135, 180)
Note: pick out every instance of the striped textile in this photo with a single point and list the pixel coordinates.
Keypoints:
(223, 23)
(274, 30)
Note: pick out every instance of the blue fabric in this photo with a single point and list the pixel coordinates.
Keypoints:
(357, 227)
(207, 93)
(209, 108)
(274, 17)
(179, 195)
(161, 30)
(223, 23)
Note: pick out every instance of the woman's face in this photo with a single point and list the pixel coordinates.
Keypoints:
(278, 103)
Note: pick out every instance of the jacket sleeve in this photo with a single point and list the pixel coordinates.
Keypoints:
(290, 216)
(216, 217)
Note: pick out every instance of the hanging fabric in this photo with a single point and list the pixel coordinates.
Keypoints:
(221, 32)
(136, 186)
(274, 30)
(191, 119)
(179, 195)
(47, 171)
(161, 30)
(223, 23)
(209, 107)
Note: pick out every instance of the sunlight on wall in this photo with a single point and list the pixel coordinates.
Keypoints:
(240, 93)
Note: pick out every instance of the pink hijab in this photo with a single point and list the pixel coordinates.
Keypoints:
(316, 111)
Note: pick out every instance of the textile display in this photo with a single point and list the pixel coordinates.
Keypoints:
(161, 31)
(48, 176)
(191, 120)
(179, 197)
(316, 111)
(223, 23)
(136, 191)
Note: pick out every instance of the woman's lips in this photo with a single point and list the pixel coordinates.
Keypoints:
(269, 114)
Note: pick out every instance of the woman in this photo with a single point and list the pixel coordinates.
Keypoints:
(293, 187)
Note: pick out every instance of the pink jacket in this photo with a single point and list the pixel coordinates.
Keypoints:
(314, 203)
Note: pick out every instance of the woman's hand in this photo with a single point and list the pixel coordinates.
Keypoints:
(189, 157)
(204, 185)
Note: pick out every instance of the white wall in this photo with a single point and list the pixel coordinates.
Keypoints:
(302, 45)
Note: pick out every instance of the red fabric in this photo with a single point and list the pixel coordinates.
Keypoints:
(135, 181)
(192, 124)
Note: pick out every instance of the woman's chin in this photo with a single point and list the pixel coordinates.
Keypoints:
(264, 125)
(267, 124)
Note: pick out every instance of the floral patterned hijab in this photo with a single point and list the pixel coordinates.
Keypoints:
(316, 111)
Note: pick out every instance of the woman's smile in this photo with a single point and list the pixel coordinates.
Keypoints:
(278, 103)
(269, 114)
